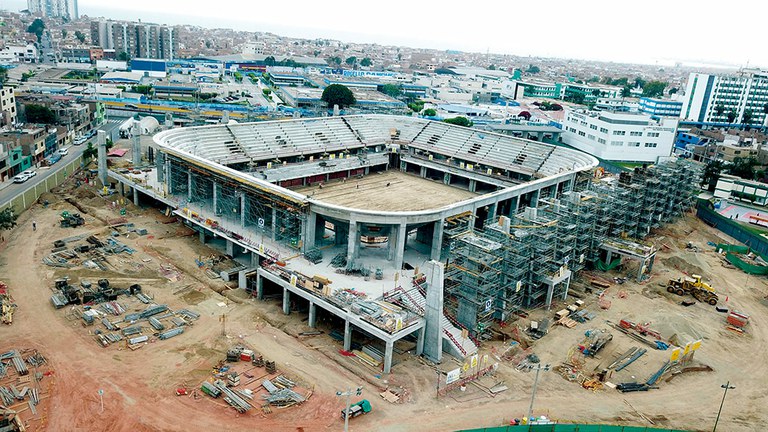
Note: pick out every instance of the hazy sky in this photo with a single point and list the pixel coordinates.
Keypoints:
(692, 31)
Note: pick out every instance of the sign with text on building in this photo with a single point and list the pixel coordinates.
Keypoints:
(453, 376)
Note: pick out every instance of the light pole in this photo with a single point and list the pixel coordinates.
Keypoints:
(538, 368)
(358, 391)
(727, 386)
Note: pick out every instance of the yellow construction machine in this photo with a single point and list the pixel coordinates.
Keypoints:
(694, 286)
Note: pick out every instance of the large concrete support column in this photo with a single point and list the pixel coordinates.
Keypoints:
(242, 281)
(168, 176)
(259, 287)
(101, 140)
(135, 196)
(433, 312)
(472, 185)
(136, 144)
(189, 185)
(312, 321)
(447, 178)
(230, 248)
(534, 199)
(122, 189)
(215, 198)
(347, 335)
(400, 248)
(352, 241)
(550, 292)
(254, 259)
(513, 203)
(242, 209)
(388, 356)
(420, 341)
(202, 237)
(492, 211)
(160, 166)
(286, 301)
(274, 224)
(437, 240)
(311, 235)
(423, 172)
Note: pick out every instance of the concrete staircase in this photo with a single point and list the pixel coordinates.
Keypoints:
(452, 341)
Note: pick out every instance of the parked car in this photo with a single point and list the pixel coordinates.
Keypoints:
(29, 173)
(91, 133)
(80, 140)
(63, 151)
(21, 178)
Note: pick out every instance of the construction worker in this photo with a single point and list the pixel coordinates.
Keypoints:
(34, 226)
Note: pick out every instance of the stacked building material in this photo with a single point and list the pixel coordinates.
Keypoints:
(171, 333)
(232, 398)
(18, 364)
(156, 324)
(153, 310)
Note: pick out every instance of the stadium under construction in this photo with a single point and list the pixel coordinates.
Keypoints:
(401, 226)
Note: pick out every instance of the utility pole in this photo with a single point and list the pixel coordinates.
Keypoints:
(358, 391)
(727, 386)
(538, 368)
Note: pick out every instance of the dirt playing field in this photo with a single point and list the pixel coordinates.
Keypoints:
(388, 191)
(139, 385)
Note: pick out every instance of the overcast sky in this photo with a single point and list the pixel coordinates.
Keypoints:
(651, 31)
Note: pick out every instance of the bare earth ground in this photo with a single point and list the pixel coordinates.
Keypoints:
(139, 385)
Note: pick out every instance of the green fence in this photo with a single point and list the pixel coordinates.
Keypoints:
(732, 254)
(571, 428)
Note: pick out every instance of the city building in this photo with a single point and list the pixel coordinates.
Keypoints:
(54, 8)
(136, 40)
(619, 136)
(738, 189)
(660, 107)
(711, 98)
(7, 106)
(19, 54)
(589, 93)
(540, 89)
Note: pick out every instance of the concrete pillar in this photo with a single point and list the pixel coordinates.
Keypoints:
(274, 224)
(388, 356)
(437, 240)
(160, 166)
(136, 144)
(311, 234)
(254, 259)
(202, 237)
(169, 180)
(135, 196)
(420, 341)
(241, 279)
(352, 240)
(534, 199)
(400, 248)
(230, 248)
(540, 136)
(423, 172)
(347, 335)
(215, 198)
(492, 211)
(513, 203)
(312, 321)
(472, 185)
(122, 189)
(550, 292)
(242, 209)
(433, 312)
(286, 301)
(447, 178)
(259, 287)
(101, 140)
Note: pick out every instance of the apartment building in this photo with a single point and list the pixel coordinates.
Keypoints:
(710, 98)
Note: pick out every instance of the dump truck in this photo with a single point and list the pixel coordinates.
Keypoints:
(694, 286)
(356, 409)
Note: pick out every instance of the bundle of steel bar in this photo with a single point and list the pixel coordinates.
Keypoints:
(232, 398)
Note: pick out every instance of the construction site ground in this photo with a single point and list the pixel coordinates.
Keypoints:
(139, 386)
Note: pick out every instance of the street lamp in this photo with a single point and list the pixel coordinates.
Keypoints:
(358, 391)
(538, 368)
(727, 386)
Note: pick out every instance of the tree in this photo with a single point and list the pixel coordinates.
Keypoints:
(719, 109)
(626, 91)
(746, 118)
(90, 151)
(524, 114)
(8, 218)
(673, 90)
(40, 114)
(731, 116)
(654, 88)
(712, 174)
(337, 94)
(270, 61)
(351, 60)
(459, 121)
(416, 106)
(64, 33)
(335, 60)
(596, 93)
(429, 112)
(391, 90)
(577, 98)
(366, 62)
(639, 82)
(3, 75)
(492, 67)
(37, 27)
(533, 69)
(143, 89)
(594, 79)
(123, 56)
(80, 36)
(743, 167)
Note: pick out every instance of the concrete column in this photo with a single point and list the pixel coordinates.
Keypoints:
(101, 139)
(230, 248)
(202, 237)
(274, 224)
(215, 198)
(400, 248)
(420, 341)
(492, 211)
(513, 203)
(189, 185)
(242, 209)
(534, 199)
(136, 144)
(122, 188)
(311, 234)
(135, 196)
(447, 178)
(312, 322)
(286, 301)
(423, 172)
(347, 335)
(259, 287)
(472, 185)
(160, 166)
(540, 136)
(352, 240)
(388, 356)
(550, 292)
(241, 279)
(433, 312)
(437, 240)
(169, 180)
(254, 259)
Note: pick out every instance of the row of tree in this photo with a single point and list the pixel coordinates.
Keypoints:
(746, 117)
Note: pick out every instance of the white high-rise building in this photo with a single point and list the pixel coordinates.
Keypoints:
(710, 98)
(54, 8)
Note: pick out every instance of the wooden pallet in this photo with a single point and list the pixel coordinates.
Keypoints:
(567, 322)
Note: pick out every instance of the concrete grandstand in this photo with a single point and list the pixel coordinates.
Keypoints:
(371, 193)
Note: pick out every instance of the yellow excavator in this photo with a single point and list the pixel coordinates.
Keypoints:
(694, 286)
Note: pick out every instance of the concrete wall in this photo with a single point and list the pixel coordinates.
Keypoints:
(25, 200)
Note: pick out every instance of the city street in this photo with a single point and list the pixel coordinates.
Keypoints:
(9, 189)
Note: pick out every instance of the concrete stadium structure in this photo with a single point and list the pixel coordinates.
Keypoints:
(373, 191)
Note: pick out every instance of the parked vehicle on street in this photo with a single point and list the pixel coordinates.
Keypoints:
(21, 178)
(63, 151)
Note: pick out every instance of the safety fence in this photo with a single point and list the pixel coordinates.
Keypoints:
(571, 428)
(25, 199)
(758, 243)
